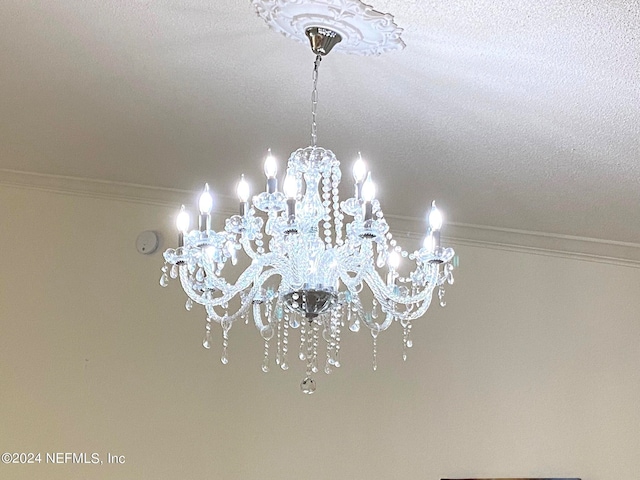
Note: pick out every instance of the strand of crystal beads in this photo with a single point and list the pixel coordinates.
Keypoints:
(309, 355)
(314, 346)
(327, 365)
(336, 348)
(327, 334)
(268, 306)
(337, 320)
(284, 365)
(303, 342)
(265, 361)
(206, 342)
(443, 303)
(309, 346)
(278, 342)
(326, 202)
(374, 334)
(406, 339)
(337, 212)
(334, 339)
(225, 342)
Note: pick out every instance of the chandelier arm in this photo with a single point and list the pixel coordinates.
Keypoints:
(249, 276)
(247, 248)
(257, 316)
(245, 304)
(188, 288)
(354, 261)
(257, 319)
(388, 320)
(228, 290)
(389, 296)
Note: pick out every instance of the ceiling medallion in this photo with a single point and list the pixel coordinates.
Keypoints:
(364, 31)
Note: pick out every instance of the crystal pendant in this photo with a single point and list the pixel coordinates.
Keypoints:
(174, 271)
(308, 385)
(206, 342)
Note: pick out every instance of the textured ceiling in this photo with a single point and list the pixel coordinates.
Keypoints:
(520, 115)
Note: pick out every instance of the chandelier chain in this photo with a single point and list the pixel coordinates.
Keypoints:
(314, 101)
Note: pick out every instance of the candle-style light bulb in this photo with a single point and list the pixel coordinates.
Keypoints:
(435, 217)
(182, 224)
(205, 204)
(243, 195)
(368, 194)
(182, 220)
(270, 166)
(270, 170)
(359, 174)
(359, 170)
(290, 187)
(435, 224)
(368, 189)
(206, 201)
(243, 190)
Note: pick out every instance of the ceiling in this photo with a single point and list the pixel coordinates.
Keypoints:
(514, 115)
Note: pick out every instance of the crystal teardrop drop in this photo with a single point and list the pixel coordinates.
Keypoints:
(308, 385)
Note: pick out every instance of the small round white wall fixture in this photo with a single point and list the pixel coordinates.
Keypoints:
(147, 242)
(363, 30)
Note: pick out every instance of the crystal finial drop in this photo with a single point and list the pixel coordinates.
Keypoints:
(188, 305)
(174, 271)
(308, 385)
(164, 280)
(206, 343)
(354, 326)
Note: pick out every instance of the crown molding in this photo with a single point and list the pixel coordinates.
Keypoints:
(458, 234)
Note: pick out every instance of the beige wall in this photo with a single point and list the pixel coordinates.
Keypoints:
(533, 369)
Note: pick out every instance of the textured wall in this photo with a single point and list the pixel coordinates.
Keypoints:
(531, 370)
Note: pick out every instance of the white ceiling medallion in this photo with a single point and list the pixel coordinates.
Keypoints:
(364, 31)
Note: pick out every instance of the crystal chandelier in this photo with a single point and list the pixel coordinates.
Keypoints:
(314, 264)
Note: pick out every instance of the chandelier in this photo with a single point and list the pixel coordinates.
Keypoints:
(312, 263)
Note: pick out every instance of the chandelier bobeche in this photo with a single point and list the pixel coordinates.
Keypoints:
(316, 265)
